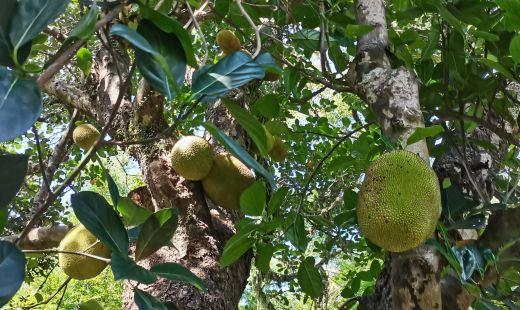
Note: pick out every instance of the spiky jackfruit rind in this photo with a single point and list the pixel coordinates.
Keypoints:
(228, 41)
(279, 150)
(80, 267)
(226, 181)
(85, 135)
(192, 158)
(399, 203)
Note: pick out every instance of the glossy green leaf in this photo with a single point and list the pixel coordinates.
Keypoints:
(276, 200)
(238, 151)
(230, 72)
(421, 133)
(6, 48)
(13, 168)
(267, 62)
(133, 214)
(497, 67)
(296, 233)
(94, 212)
(31, 17)
(3, 218)
(12, 269)
(514, 49)
(309, 278)
(431, 44)
(267, 106)
(264, 253)
(252, 200)
(251, 125)
(20, 104)
(177, 272)
(448, 16)
(237, 245)
(170, 25)
(156, 232)
(84, 60)
(112, 187)
(85, 27)
(145, 301)
(123, 267)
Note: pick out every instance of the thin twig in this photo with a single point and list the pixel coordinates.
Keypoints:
(55, 194)
(202, 37)
(40, 159)
(55, 251)
(46, 301)
(322, 161)
(62, 295)
(254, 26)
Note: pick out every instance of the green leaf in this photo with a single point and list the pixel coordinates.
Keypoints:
(454, 202)
(84, 60)
(12, 269)
(448, 16)
(6, 48)
(112, 187)
(133, 215)
(169, 25)
(230, 72)
(421, 133)
(85, 27)
(31, 17)
(252, 200)
(235, 248)
(20, 104)
(356, 31)
(156, 232)
(309, 278)
(269, 64)
(497, 67)
(267, 106)
(145, 301)
(123, 267)
(13, 168)
(469, 259)
(3, 218)
(157, 58)
(264, 253)
(276, 200)
(177, 272)
(297, 235)
(514, 48)
(238, 151)
(431, 45)
(94, 212)
(251, 125)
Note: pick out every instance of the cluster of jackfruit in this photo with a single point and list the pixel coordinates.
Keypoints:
(85, 135)
(76, 266)
(223, 176)
(399, 203)
(230, 43)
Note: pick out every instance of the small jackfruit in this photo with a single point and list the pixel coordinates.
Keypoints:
(279, 150)
(90, 305)
(80, 267)
(192, 158)
(85, 135)
(226, 181)
(399, 203)
(228, 41)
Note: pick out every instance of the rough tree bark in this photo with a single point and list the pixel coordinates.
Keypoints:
(393, 96)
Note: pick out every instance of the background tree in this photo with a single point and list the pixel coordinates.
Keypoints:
(340, 82)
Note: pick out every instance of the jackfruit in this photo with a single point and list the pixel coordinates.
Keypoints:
(192, 158)
(279, 150)
(399, 203)
(228, 41)
(80, 267)
(90, 305)
(85, 135)
(226, 181)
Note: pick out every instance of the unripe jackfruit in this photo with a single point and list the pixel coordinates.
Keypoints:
(279, 150)
(399, 203)
(80, 267)
(226, 181)
(228, 41)
(192, 158)
(85, 135)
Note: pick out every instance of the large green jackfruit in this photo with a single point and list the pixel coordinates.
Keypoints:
(399, 203)
(192, 158)
(228, 41)
(226, 181)
(279, 150)
(85, 135)
(80, 267)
